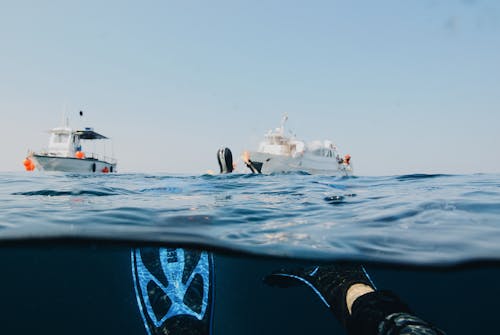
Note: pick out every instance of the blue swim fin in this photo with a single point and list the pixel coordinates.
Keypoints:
(174, 289)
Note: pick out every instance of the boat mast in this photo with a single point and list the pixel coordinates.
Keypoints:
(64, 117)
(283, 120)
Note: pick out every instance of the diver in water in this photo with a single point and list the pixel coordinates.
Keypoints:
(350, 294)
(226, 165)
(255, 167)
(225, 160)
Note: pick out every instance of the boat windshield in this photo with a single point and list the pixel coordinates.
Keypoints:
(276, 139)
(60, 138)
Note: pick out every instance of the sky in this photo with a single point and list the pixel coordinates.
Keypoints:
(402, 86)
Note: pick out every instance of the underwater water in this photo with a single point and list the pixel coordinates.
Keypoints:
(78, 251)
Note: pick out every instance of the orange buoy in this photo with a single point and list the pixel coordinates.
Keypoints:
(28, 164)
(79, 154)
(105, 170)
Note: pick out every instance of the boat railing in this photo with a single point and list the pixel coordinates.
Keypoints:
(101, 157)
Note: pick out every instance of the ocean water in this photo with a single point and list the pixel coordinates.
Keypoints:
(67, 242)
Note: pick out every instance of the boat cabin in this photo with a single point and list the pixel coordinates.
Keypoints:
(323, 148)
(64, 142)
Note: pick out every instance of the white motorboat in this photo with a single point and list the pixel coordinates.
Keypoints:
(65, 153)
(279, 153)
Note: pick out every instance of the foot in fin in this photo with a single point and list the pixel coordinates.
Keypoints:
(174, 289)
(255, 167)
(329, 282)
(225, 160)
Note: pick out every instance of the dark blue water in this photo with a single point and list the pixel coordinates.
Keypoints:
(66, 266)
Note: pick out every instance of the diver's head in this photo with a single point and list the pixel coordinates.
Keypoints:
(225, 159)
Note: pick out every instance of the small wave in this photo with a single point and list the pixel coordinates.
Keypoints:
(54, 193)
(418, 176)
(287, 173)
(230, 176)
(162, 190)
(398, 216)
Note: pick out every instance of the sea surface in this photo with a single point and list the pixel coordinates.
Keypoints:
(66, 242)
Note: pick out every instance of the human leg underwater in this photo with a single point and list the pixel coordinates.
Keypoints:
(348, 291)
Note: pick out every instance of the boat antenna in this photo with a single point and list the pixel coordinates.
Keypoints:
(283, 120)
(64, 116)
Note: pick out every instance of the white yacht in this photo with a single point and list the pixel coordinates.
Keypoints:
(65, 153)
(281, 153)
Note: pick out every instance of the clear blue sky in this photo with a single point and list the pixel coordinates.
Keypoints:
(403, 86)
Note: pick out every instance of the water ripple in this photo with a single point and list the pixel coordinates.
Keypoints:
(418, 218)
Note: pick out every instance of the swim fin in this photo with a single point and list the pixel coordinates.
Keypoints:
(174, 289)
(329, 282)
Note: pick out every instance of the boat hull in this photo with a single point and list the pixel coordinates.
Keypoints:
(70, 164)
(312, 164)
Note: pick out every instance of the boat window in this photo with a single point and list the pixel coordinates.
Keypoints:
(60, 138)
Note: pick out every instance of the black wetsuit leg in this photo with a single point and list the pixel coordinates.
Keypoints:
(383, 313)
(255, 167)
